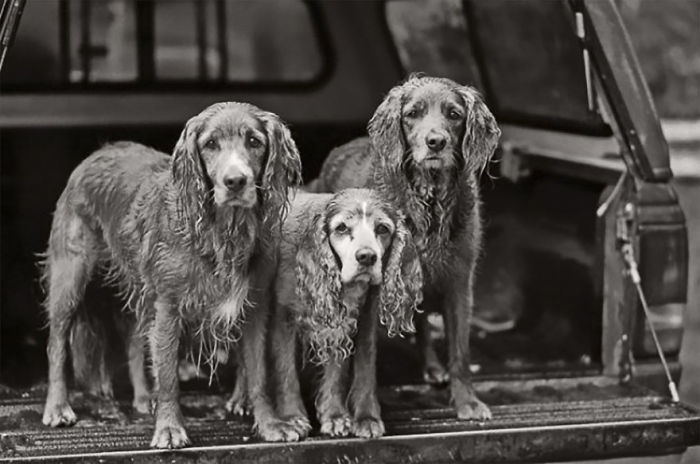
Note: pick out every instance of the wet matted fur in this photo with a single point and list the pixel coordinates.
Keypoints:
(347, 263)
(429, 141)
(187, 239)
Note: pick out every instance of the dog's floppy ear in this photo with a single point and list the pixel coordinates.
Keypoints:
(281, 171)
(385, 132)
(481, 133)
(401, 291)
(191, 180)
(328, 329)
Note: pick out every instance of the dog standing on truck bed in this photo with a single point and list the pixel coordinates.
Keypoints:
(186, 238)
(347, 263)
(428, 142)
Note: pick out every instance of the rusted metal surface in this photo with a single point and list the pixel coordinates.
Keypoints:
(533, 420)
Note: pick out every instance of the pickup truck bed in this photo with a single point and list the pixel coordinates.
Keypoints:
(546, 420)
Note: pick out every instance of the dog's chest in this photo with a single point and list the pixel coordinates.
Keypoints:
(436, 256)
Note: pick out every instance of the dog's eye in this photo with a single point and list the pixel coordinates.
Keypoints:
(381, 229)
(412, 113)
(211, 144)
(254, 142)
(455, 115)
(341, 228)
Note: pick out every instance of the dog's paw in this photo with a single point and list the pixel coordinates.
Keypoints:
(301, 423)
(142, 405)
(101, 390)
(239, 406)
(368, 428)
(169, 437)
(278, 430)
(473, 409)
(337, 426)
(59, 415)
(435, 374)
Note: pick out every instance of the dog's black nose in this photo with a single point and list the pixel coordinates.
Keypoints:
(435, 142)
(366, 257)
(235, 183)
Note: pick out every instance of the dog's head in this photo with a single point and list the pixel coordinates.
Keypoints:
(235, 155)
(358, 242)
(433, 123)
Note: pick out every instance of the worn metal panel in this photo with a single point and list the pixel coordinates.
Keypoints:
(534, 420)
(623, 83)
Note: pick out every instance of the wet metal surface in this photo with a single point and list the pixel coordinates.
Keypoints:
(543, 420)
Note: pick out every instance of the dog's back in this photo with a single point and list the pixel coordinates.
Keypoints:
(347, 166)
(106, 182)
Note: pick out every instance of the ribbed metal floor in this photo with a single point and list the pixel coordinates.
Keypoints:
(543, 420)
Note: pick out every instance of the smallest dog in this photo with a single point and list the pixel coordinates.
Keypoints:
(347, 261)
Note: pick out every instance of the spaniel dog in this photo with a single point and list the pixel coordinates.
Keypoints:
(429, 141)
(347, 263)
(188, 239)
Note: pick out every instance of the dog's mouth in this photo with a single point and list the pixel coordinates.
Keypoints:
(433, 161)
(363, 276)
(246, 199)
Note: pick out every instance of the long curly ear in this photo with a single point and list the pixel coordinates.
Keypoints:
(282, 170)
(328, 329)
(401, 291)
(385, 132)
(194, 201)
(481, 132)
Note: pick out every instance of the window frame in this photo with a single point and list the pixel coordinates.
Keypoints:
(146, 80)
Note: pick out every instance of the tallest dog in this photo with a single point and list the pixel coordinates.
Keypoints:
(429, 141)
(188, 239)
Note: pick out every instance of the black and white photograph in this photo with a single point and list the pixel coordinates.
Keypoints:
(350, 231)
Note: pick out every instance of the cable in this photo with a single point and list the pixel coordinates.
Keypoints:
(628, 256)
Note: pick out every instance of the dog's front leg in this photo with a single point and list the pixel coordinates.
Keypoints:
(367, 421)
(165, 340)
(458, 307)
(434, 372)
(330, 400)
(269, 426)
(239, 404)
(288, 391)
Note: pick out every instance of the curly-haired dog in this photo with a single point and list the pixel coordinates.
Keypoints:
(347, 262)
(428, 142)
(187, 238)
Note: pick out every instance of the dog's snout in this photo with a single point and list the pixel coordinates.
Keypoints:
(435, 142)
(235, 183)
(366, 257)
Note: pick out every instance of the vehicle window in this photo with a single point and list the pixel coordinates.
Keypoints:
(102, 41)
(432, 37)
(177, 50)
(532, 64)
(254, 41)
(271, 41)
(198, 41)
